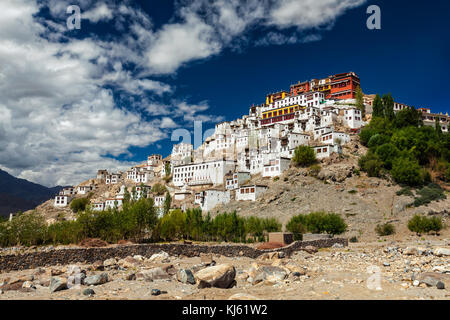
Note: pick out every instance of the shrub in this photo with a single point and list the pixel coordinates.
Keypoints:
(353, 239)
(304, 156)
(447, 174)
(79, 205)
(427, 194)
(297, 226)
(407, 172)
(317, 222)
(405, 191)
(321, 222)
(371, 164)
(385, 229)
(421, 224)
(314, 170)
(24, 229)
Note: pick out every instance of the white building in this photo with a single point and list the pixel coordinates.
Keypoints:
(181, 195)
(324, 151)
(113, 203)
(250, 193)
(112, 178)
(159, 201)
(208, 199)
(275, 167)
(62, 200)
(85, 189)
(353, 118)
(98, 206)
(205, 173)
(237, 179)
(69, 191)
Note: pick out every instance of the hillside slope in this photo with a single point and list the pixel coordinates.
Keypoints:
(20, 195)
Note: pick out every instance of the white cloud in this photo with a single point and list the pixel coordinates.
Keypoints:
(59, 121)
(100, 13)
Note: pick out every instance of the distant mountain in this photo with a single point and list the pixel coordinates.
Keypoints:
(21, 195)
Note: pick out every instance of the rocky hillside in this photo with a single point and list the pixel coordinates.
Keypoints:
(364, 202)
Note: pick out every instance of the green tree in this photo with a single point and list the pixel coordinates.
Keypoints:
(378, 109)
(167, 169)
(167, 203)
(297, 225)
(78, 205)
(407, 171)
(437, 126)
(360, 101)
(388, 106)
(304, 156)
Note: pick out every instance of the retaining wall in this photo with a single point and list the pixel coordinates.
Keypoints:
(91, 255)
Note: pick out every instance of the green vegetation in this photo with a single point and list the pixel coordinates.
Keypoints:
(137, 221)
(159, 189)
(304, 156)
(427, 194)
(401, 145)
(167, 169)
(317, 222)
(385, 229)
(405, 191)
(314, 170)
(79, 205)
(360, 101)
(421, 224)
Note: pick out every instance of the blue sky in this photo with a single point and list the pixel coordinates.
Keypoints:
(111, 93)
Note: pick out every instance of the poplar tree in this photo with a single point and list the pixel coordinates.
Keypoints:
(378, 110)
(388, 106)
(360, 101)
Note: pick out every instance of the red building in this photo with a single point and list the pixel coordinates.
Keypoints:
(343, 86)
(299, 88)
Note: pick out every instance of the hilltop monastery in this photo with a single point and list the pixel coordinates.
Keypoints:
(320, 113)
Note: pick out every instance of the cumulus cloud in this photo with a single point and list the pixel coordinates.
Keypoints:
(60, 119)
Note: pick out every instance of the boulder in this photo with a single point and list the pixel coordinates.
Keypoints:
(185, 276)
(128, 262)
(153, 274)
(159, 257)
(110, 263)
(57, 284)
(88, 292)
(432, 279)
(441, 252)
(270, 274)
(207, 259)
(220, 276)
(310, 249)
(96, 280)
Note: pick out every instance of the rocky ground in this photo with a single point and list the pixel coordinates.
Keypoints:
(418, 269)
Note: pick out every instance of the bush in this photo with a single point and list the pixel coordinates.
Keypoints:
(79, 205)
(24, 229)
(406, 171)
(421, 224)
(385, 229)
(371, 164)
(314, 170)
(321, 222)
(405, 191)
(317, 222)
(304, 156)
(447, 174)
(354, 239)
(297, 225)
(430, 193)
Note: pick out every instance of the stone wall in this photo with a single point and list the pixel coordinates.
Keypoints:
(91, 255)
